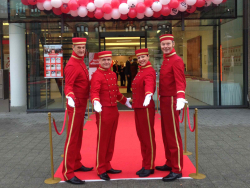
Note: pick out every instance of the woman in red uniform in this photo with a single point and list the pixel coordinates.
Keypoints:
(143, 88)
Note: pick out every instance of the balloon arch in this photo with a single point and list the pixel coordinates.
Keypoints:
(120, 9)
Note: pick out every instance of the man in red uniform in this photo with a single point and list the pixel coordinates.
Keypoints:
(77, 93)
(104, 95)
(172, 99)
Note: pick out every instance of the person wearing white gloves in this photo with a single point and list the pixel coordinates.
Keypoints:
(172, 85)
(143, 88)
(104, 96)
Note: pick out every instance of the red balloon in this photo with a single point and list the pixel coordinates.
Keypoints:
(148, 3)
(32, 2)
(25, 2)
(98, 13)
(40, 1)
(140, 7)
(124, 16)
(224, 1)
(115, 3)
(191, 9)
(65, 8)
(132, 13)
(57, 11)
(90, 14)
(83, 2)
(174, 4)
(123, 1)
(165, 11)
(107, 8)
(157, 14)
(200, 3)
(73, 5)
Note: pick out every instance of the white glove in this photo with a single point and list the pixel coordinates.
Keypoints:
(71, 102)
(128, 103)
(97, 106)
(147, 99)
(180, 103)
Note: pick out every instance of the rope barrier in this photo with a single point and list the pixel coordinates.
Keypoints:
(64, 122)
(189, 124)
(181, 120)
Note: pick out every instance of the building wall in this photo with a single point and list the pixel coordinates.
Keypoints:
(248, 52)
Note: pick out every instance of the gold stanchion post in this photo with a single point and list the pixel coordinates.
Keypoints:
(92, 108)
(52, 180)
(196, 175)
(185, 132)
(88, 110)
(67, 119)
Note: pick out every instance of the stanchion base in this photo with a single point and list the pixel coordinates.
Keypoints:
(187, 153)
(52, 181)
(62, 155)
(198, 176)
(89, 120)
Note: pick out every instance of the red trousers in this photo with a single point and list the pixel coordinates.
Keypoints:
(72, 156)
(171, 133)
(107, 122)
(144, 121)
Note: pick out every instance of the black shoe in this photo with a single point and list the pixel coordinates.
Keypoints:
(84, 169)
(112, 171)
(75, 180)
(140, 171)
(171, 176)
(146, 173)
(104, 176)
(163, 168)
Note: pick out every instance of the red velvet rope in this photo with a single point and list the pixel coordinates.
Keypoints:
(189, 124)
(181, 120)
(54, 122)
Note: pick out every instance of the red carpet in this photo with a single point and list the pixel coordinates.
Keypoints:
(127, 156)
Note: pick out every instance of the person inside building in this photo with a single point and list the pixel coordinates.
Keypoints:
(172, 99)
(143, 88)
(116, 68)
(134, 69)
(104, 96)
(77, 93)
(128, 74)
(122, 74)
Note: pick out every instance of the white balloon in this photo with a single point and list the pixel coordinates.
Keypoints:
(47, 5)
(115, 14)
(99, 3)
(182, 7)
(149, 12)
(56, 3)
(164, 2)
(174, 11)
(74, 13)
(123, 8)
(91, 7)
(82, 11)
(40, 6)
(132, 3)
(208, 3)
(65, 1)
(140, 15)
(138, 1)
(217, 1)
(107, 1)
(190, 2)
(107, 16)
(156, 6)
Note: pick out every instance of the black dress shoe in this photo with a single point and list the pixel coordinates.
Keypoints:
(112, 171)
(146, 172)
(171, 176)
(84, 169)
(163, 168)
(104, 176)
(140, 171)
(75, 180)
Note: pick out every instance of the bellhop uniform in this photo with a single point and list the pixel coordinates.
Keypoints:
(77, 87)
(144, 83)
(172, 86)
(105, 90)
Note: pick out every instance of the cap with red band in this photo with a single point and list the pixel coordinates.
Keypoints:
(79, 41)
(104, 54)
(166, 37)
(140, 52)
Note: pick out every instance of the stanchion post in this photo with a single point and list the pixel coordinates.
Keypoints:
(92, 108)
(51, 180)
(67, 119)
(196, 175)
(88, 110)
(185, 132)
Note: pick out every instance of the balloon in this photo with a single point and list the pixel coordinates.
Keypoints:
(174, 11)
(83, 2)
(74, 13)
(165, 11)
(140, 8)
(40, 6)
(207, 3)
(190, 2)
(115, 3)
(174, 4)
(156, 6)
(123, 1)
(47, 5)
(25, 2)
(157, 14)
(200, 3)
(65, 8)
(124, 8)
(182, 7)
(82, 11)
(164, 2)
(107, 16)
(140, 1)
(91, 7)
(65, 1)
(191, 9)
(90, 14)
(115, 14)
(99, 3)
(148, 3)
(32, 2)
(98, 13)
(124, 16)
(56, 3)
(132, 13)
(132, 3)
(224, 1)
(217, 1)
(107, 1)
(107, 8)
(57, 11)
(40, 1)
(140, 15)
(149, 12)
(73, 5)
